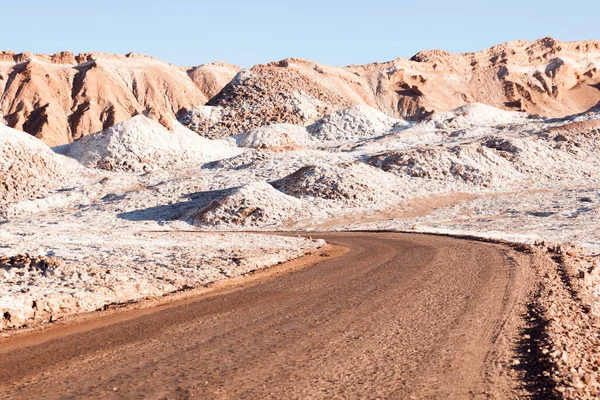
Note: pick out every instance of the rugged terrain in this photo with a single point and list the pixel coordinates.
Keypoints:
(319, 332)
(61, 97)
(64, 96)
(143, 204)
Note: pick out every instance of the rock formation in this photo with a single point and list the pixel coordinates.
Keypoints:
(28, 168)
(356, 122)
(545, 77)
(353, 184)
(61, 97)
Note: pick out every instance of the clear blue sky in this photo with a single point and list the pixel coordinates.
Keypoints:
(255, 31)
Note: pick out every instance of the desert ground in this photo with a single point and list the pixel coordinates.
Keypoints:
(445, 207)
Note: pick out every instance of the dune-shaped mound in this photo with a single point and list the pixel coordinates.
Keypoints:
(356, 122)
(28, 168)
(461, 163)
(254, 204)
(263, 95)
(245, 160)
(476, 114)
(274, 136)
(500, 161)
(353, 184)
(141, 144)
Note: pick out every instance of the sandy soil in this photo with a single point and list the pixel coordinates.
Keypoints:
(397, 315)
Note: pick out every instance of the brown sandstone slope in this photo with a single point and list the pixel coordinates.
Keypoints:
(211, 78)
(546, 77)
(61, 97)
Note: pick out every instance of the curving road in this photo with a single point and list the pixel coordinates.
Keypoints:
(397, 316)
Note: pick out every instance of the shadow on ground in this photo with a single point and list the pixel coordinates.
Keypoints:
(534, 364)
(175, 211)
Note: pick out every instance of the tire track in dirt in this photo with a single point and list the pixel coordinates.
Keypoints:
(396, 316)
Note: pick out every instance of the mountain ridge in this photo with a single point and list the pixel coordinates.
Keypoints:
(61, 97)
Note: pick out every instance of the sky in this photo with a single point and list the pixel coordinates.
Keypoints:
(246, 33)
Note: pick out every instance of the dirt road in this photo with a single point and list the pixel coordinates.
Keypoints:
(397, 316)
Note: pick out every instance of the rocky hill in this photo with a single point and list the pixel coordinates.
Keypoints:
(61, 97)
(28, 168)
(545, 77)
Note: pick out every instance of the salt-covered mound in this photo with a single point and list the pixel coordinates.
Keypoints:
(555, 154)
(350, 183)
(575, 136)
(476, 114)
(274, 136)
(492, 161)
(202, 120)
(356, 122)
(486, 162)
(28, 168)
(245, 160)
(263, 95)
(141, 144)
(254, 204)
